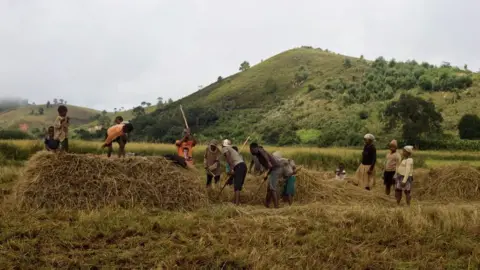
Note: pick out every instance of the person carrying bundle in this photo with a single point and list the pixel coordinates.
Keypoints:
(121, 140)
(404, 176)
(289, 174)
(211, 163)
(238, 168)
(273, 174)
(185, 146)
(115, 132)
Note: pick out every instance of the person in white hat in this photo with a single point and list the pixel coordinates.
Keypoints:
(404, 176)
(238, 168)
(365, 175)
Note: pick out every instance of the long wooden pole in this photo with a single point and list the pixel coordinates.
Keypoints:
(184, 118)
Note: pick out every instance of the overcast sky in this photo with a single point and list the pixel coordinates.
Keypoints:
(113, 53)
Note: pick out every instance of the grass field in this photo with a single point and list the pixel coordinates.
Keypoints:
(332, 233)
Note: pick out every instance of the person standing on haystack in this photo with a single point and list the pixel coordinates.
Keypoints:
(273, 174)
(211, 163)
(365, 175)
(115, 132)
(185, 146)
(404, 176)
(61, 124)
(392, 161)
(238, 168)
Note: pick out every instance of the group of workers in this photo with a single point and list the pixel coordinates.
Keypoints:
(398, 168)
(273, 167)
(397, 172)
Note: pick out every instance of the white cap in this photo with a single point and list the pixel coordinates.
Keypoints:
(408, 148)
(227, 142)
(369, 137)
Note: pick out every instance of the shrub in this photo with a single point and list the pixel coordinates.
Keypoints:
(469, 127)
(311, 87)
(14, 135)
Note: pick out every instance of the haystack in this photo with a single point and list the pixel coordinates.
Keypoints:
(311, 186)
(90, 182)
(458, 182)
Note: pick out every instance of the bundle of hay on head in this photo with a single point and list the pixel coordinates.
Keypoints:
(90, 182)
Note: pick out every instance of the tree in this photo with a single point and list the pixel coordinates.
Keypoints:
(48, 104)
(170, 101)
(144, 103)
(55, 101)
(40, 111)
(65, 102)
(469, 127)
(159, 102)
(244, 66)
(61, 101)
(115, 110)
(416, 117)
(104, 112)
(138, 111)
(219, 79)
(465, 67)
(148, 104)
(347, 63)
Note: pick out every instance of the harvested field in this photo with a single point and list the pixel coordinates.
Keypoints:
(311, 186)
(460, 182)
(90, 182)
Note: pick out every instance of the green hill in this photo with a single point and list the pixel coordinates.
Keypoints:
(308, 95)
(303, 95)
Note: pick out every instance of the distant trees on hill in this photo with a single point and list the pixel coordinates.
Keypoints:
(244, 66)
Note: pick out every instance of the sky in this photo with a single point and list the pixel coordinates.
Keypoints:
(107, 54)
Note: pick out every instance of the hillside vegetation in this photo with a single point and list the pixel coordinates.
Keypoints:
(305, 96)
(312, 96)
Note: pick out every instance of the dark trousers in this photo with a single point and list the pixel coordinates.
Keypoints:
(239, 174)
(210, 177)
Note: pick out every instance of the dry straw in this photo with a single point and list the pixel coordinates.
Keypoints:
(449, 183)
(311, 186)
(91, 182)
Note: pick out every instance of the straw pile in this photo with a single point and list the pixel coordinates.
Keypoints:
(89, 182)
(449, 183)
(311, 186)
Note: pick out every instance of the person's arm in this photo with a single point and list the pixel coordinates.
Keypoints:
(374, 157)
(58, 123)
(229, 160)
(252, 162)
(399, 160)
(194, 141)
(408, 170)
(265, 155)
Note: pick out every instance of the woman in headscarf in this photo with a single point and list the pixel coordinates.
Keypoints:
(404, 177)
(365, 175)
(392, 161)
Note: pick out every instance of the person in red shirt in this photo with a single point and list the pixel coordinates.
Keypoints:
(114, 132)
(185, 146)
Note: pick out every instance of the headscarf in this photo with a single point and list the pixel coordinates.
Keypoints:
(408, 148)
(277, 154)
(369, 137)
(394, 143)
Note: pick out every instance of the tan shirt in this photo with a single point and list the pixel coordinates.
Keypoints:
(211, 160)
(60, 129)
(234, 155)
(392, 161)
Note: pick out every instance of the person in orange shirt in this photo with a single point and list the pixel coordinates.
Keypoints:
(114, 132)
(185, 145)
